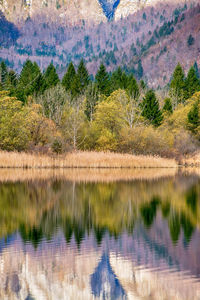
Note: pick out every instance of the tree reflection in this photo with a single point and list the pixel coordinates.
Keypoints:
(148, 211)
(174, 227)
(39, 209)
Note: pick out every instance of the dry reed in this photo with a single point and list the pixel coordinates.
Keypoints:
(191, 161)
(83, 160)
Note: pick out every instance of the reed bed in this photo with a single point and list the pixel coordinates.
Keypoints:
(85, 175)
(191, 161)
(83, 160)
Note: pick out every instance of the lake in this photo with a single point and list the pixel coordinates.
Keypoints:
(64, 237)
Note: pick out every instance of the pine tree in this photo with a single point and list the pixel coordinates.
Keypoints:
(119, 80)
(193, 116)
(69, 77)
(83, 76)
(102, 80)
(167, 106)
(3, 73)
(51, 77)
(196, 69)
(150, 108)
(177, 85)
(75, 88)
(38, 85)
(30, 81)
(140, 70)
(11, 82)
(190, 40)
(133, 89)
(143, 85)
(192, 82)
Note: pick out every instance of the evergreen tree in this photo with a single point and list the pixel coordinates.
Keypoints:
(193, 116)
(192, 82)
(11, 82)
(196, 70)
(51, 77)
(83, 76)
(30, 81)
(75, 88)
(38, 84)
(190, 40)
(133, 89)
(142, 84)
(119, 80)
(150, 108)
(69, 77)
(102, 80)
(177, 85)
(140, 70)
(3, 73)
(168, 106)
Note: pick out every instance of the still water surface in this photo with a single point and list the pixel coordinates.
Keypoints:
(135, 239)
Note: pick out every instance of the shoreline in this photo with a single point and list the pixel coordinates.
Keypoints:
(93, 160)
(83, 160)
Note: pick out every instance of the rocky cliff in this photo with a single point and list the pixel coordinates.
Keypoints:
(73, 11)
(68, 11)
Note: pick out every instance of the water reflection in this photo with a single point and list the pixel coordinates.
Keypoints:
(119, 240)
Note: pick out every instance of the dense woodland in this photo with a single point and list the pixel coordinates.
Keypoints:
(112, 111)
(148, 44)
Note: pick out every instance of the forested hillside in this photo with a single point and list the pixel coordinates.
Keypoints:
(151, 42)
(8, 32)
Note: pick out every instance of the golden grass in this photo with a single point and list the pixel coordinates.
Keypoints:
(85, 175)
(83, 160)
(191, 161)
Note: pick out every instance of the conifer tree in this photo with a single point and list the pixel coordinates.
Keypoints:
(102, 80)
(75, 88)
(193, 116)
(196, 70)
(177, 85)
(69, 77)
(119, 80)
(38, 84)
(142, 84)
(168, 106)
(3, 73)
(150, 108)
(192, 82)
(11, 82)
(83, 76)
(133, 89)
(140, 70)
(51, 77)
(30, 81)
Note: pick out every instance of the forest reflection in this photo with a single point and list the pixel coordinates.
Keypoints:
(39, 209)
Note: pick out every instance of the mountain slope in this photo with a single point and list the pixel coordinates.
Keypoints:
(73, 11)
(155, 36)
(8, 32)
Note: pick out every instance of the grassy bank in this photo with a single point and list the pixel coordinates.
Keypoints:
(83, 160)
